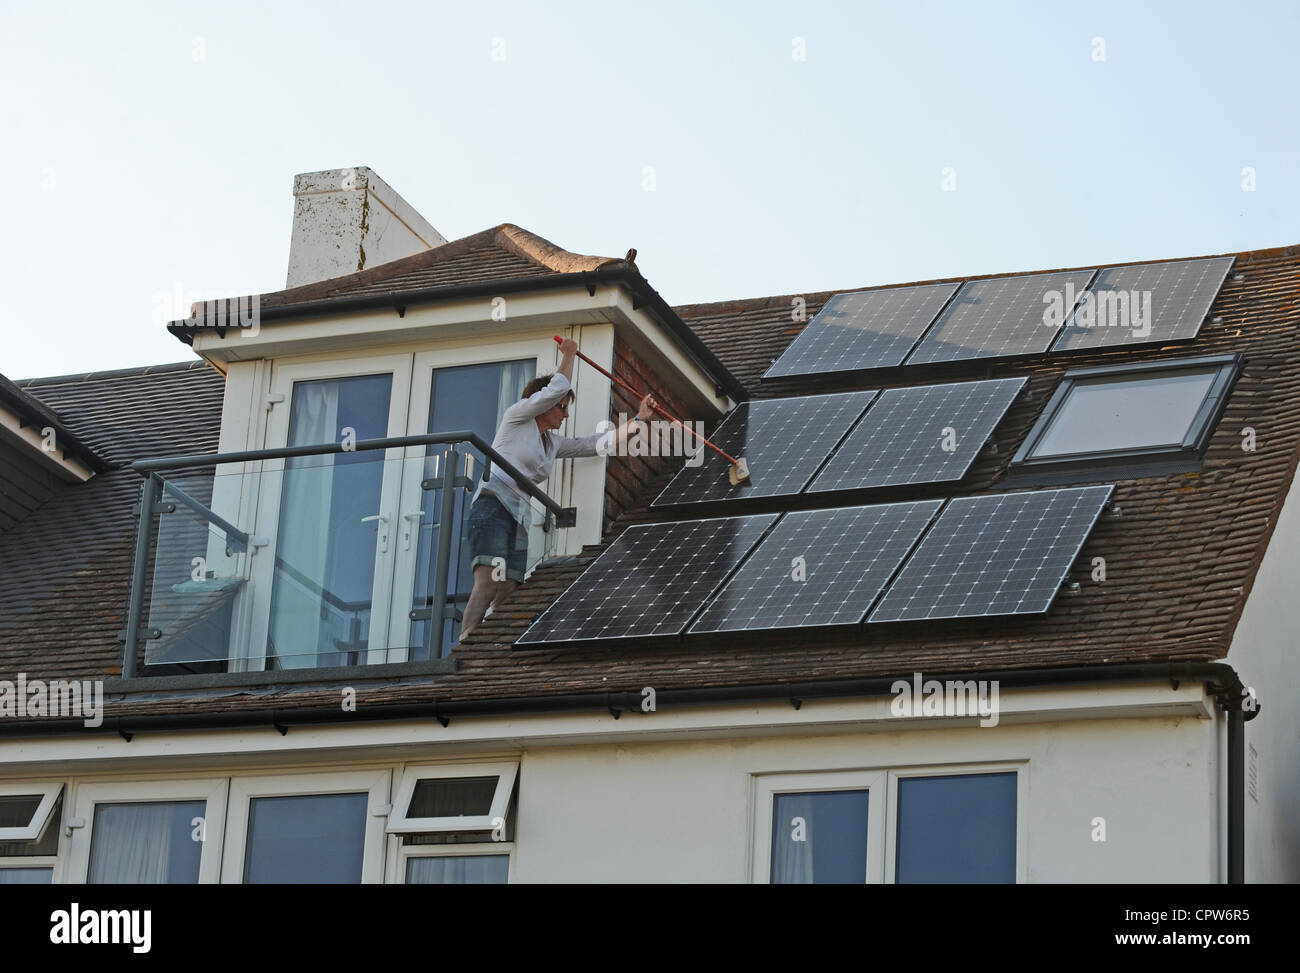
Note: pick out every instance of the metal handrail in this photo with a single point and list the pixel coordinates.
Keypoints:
(171, 489)
(154, 487)
(564, 516)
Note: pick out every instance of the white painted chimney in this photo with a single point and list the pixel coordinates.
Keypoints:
(345, 220)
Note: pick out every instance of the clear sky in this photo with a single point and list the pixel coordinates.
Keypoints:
(151, 148)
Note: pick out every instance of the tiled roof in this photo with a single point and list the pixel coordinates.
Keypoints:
(34, 412)
(1180, 560)
(63, 588)
(503, 252)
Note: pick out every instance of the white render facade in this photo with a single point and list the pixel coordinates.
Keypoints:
(679, 797)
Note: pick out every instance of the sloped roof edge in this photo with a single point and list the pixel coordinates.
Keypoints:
(33, 412)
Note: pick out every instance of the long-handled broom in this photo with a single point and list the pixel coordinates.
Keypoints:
(739, 469)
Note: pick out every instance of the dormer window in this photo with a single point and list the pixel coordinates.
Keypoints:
(357, 423)
(1144, 419)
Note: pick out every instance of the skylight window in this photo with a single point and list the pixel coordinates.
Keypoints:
(1143, 414)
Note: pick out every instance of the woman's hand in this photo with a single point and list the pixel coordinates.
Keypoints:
(648, 405)
(568, 347)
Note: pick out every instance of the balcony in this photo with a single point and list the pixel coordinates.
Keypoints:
(311, 557)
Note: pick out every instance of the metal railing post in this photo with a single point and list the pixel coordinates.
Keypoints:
(139, 572)
(442, 564)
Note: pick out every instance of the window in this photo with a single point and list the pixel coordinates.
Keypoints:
(26, 809)
(311, 828)
(339, 562)
(308, 838)
(1158, 415)
(474, 398)
(146, 842)
(453, 824)
(468, 798)
(959, 828)
(29, 832)
(820, 828)
(438, 868)
(147, 833)
(934, 826)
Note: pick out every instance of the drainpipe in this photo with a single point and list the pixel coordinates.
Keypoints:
(1236, 796)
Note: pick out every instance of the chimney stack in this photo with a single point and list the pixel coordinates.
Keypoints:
(345, 220)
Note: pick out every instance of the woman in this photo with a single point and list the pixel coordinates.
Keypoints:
(499, 519)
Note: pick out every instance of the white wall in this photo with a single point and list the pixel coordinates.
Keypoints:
(669, 796)
(682, 812)
(1266, 652)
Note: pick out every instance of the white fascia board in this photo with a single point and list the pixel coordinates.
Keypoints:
(470, 320)
(31, 438)
(465, 318)
(81, 753)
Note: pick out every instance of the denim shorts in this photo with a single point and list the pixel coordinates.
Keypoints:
(494, 533)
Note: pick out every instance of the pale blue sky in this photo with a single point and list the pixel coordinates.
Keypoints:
(134, 167)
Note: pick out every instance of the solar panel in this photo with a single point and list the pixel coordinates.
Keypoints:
(1180, 294)
(782, 440)
(999, 317)
(927, 434)
(1004, 554)
(864, 329)
(818, 567)
(649, 581)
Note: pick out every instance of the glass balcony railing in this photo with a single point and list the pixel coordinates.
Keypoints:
(311, 556)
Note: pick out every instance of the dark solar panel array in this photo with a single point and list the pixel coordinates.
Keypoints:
(863, 329)
(784, 441)
(928, 434)
(999, 317)
(1003, 554)
(650, 581)
(818, 567)
(1118, 313)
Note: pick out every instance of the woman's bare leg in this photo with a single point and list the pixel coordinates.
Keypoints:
(503, 592)
(483, 594)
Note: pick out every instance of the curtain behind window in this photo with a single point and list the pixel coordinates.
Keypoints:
(301, 618)
(145, 843)
(792, 848)
(466, 870)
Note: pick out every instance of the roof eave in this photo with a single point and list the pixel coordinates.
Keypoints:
(618, 272)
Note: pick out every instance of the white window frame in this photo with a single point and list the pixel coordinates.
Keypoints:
(255, 622)
(506, 773)
(400, 853)
(375, 783)
(425, 364)
(88, 796)
(882, 814)
(768, 786)
(967, 770)
(49, 793)
(40, 861)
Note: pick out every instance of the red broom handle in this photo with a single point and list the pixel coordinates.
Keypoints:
(636, 395)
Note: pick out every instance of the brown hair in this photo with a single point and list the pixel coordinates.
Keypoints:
(539, 383)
